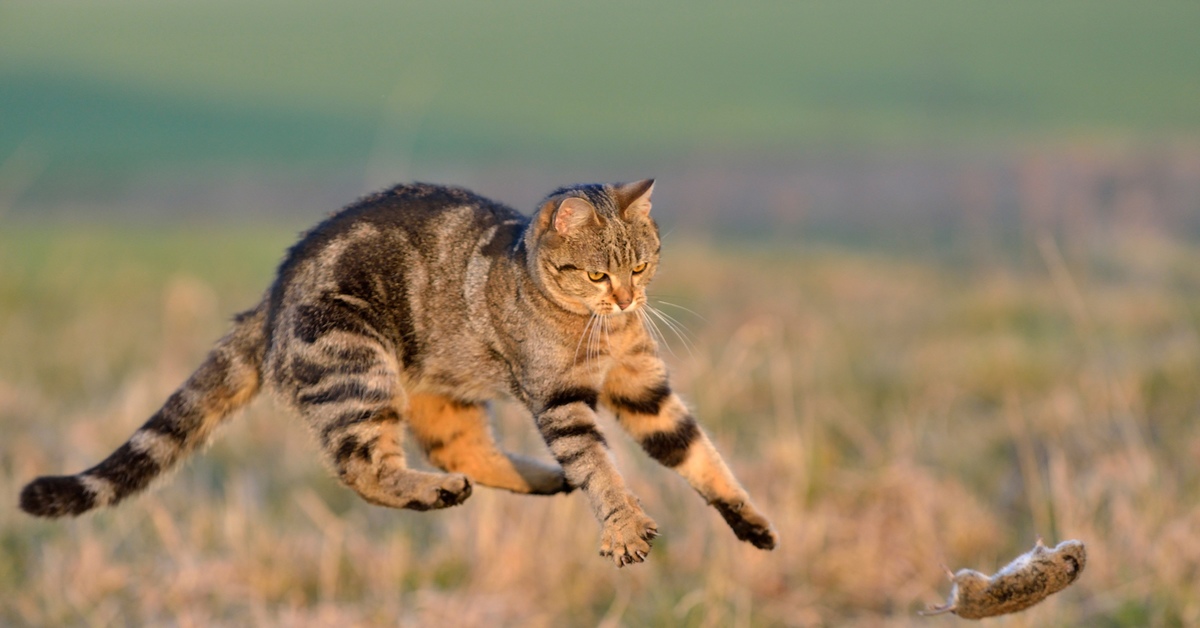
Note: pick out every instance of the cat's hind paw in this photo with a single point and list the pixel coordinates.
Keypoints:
(453, 490)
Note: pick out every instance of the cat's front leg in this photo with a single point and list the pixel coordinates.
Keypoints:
(567, 422)
(658, 419)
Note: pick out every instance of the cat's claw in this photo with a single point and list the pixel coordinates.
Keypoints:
(454, 490)
(748, 524)
(627, 539)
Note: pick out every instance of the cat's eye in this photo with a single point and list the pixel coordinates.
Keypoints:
(639, 268)
(596, 276)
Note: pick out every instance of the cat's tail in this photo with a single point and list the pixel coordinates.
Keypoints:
(229, 378)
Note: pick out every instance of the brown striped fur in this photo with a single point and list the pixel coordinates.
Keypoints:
(417, 306)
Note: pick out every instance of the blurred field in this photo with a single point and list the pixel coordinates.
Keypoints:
(127, 84)
(889, 411)
(1004, 343)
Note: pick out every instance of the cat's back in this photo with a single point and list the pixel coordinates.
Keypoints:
(426, 215)
(405, 252)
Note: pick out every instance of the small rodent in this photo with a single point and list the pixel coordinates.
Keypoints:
(1029, 579)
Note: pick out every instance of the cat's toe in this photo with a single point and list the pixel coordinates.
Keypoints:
(627, 539)
(762, 537)
(748, 524)
(453, 491)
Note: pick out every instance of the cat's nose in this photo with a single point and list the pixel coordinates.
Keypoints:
(623, 297)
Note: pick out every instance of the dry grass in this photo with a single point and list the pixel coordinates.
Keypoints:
(889, 412)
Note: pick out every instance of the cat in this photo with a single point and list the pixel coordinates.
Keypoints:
(417, 306)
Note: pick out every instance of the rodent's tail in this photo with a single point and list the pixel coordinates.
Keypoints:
(229, 378)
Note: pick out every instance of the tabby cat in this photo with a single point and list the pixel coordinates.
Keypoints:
(419, 305)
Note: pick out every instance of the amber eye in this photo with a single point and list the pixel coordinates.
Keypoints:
(639, 268)
(595, 276)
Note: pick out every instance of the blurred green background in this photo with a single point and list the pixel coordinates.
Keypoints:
(154, 104)
(938, 263)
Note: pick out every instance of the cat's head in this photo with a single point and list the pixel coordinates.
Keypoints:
(595, 248)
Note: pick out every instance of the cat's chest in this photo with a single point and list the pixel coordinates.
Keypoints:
(598, 353)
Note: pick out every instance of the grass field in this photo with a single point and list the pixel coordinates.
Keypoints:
(891, 409)
(890, 412)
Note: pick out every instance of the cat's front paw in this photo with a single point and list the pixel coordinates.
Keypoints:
(748, 524)
(627, 537)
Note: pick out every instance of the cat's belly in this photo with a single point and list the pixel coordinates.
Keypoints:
(482, 381)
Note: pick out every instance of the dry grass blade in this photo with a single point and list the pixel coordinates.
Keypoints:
(888, 413)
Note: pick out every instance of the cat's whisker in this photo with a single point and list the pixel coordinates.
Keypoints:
(662, 337)
(680, 307)
(658, 329)
(593, 348)
(671, 318)
(675, 326)
(655, 332)
(602, 343)
(597, 336)
(587, 355)
(607, 335)
(583, 333)
(600, 335)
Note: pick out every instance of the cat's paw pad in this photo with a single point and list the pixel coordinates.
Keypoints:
(451, 491)
(748, 524)
(454, 491)
(626, 539)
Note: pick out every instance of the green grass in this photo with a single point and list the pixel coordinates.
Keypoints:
(889, 412)
(143, 84)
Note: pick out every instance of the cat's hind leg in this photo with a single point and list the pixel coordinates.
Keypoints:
(368, 457)
(456, 437)
(349, 393)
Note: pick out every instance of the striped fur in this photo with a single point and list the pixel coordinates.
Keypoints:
(227, 380)
(417, 306)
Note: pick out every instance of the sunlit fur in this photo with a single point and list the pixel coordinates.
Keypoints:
(416, 307)
(609, 242)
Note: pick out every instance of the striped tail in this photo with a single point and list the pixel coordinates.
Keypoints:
(228, 379)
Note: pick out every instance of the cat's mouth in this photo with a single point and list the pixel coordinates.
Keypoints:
(613, 309)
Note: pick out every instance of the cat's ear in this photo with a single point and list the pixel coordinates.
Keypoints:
(634, 198)
(571, 214)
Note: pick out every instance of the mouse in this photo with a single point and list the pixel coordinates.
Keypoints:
(1027, 580)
